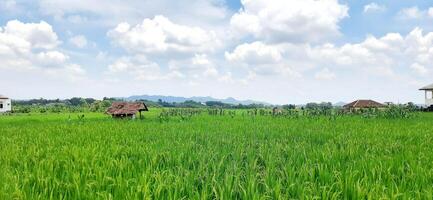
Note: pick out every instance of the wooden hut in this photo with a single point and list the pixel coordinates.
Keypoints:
(126, 109)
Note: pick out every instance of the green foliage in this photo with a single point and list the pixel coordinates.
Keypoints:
(398, 111)
(56, 156)
(319, 106)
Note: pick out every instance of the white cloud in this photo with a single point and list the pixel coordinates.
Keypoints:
(202, 61)
(79, 41)
(33, 47)
(254, 53)
(38, 35)
(430, 12)
(374, 7)
(388, 56)
(412, 13)
(262, 59)
(160, 35)
(52, 58)
(290, 20)
(325, 74)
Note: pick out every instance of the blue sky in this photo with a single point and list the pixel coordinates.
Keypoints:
(282, 51)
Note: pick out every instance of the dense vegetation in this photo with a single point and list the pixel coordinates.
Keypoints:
(78, 104)
(218, 154)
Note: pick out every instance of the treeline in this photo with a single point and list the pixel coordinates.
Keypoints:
(75, 104)
(78, 104)
(208, 104)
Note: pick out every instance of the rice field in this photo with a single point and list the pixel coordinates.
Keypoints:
(62, 156)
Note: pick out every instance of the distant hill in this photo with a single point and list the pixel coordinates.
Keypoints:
(175, 99)
(340, 104)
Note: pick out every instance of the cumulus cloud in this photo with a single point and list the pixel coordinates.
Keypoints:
(261, 58)
(388, 55)
(160, 35)
(254, 54)
(289, 20)
(374, 7)
(184, 49)
(391, 56)
(51, 58)
(205, 65)
(33, 46)
(37, 35)
(79, 41)
(384, 55)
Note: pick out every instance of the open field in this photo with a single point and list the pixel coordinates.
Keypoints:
(54, 156)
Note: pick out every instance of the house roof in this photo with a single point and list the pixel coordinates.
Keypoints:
(364, 104)
(3, 97)
(428, 87)
(126, 108)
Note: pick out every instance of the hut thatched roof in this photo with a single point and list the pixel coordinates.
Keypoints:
(126, 108)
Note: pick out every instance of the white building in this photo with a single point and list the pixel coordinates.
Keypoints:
(428, 95)
(5, 104)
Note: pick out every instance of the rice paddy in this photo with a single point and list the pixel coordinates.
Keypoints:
(62, 156)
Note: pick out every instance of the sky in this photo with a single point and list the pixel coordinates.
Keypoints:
(279, 51)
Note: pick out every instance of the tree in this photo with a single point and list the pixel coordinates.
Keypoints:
(289, 107)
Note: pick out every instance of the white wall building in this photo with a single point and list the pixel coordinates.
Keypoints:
(428, 95)
(5, 104)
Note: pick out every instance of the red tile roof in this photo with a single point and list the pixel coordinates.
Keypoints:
(126, 108)
(364, 104)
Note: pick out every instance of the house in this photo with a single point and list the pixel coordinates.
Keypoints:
(363, 104)
(5, 104)
(126, 109)
(428, 95)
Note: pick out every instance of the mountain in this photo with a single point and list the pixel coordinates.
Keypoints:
(174, 99)
(339, 104)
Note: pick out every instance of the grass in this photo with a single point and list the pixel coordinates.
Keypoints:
(58, 156)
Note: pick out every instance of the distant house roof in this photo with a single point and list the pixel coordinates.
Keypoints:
(126, 108)
(364, 104)
(428, 87)
(3, 97)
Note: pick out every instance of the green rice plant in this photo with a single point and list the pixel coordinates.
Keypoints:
(328, 155)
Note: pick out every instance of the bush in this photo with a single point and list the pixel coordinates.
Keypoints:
(398, 111)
